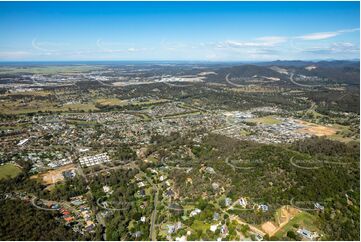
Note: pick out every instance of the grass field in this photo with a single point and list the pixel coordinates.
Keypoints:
(155, 101)
(265, 120)
(111, 102)
(342, 131)
(9, 170)
(302, 220)
(200, 225)
(18, 107)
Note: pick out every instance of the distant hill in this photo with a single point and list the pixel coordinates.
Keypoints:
(244, 71)
(299, 63)
(347, 72)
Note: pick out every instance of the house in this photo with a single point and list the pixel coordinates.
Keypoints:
(141, 193)
(170, 193)
(142, 219)
(243, 202)
(137, 234)
(90, 228)
(68, 219)
(195, 212)
(210, 170)
(174, 227)
(153, 171)
(318, 206)
(69, 174)
(183, 238)
(224, 229)
(307, 234)
(259, 237)
(214, 227)
(178, 225)
(55, 206)
(215, 216)
(107, 189)
(227, 201)
(77, 202)
(141, 184)
(263, 207)
(171, 228)
(215, 186)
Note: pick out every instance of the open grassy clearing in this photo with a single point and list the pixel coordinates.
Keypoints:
(265, 120)
(342, 131)
(200, 225)
(9, 170)
(111, 102)
(19, 107)
(301, 220)
(155, 101)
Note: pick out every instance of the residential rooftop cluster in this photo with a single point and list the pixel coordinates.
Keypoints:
(94, 160)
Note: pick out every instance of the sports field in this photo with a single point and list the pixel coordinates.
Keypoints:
(9, 171)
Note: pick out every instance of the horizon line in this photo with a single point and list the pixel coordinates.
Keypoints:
(211, 61)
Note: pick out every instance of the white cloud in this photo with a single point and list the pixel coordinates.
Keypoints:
(38, 47)
(48, 46)
(261, 42)
(325, 35)
(318, 36)
(272, 40)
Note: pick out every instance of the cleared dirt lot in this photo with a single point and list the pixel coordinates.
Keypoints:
(318, 130)
(282, 217)
(269, 227)
(54, 176)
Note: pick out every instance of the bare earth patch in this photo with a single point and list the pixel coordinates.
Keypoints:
(54, 176)
(283, 216)
(269, 227)
(315, 129)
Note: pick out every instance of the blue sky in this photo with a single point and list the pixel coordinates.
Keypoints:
(210, 31)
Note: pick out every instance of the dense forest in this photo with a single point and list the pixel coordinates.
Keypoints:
(21, 221)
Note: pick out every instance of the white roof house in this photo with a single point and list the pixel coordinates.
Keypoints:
(94, 160)
(243, 202)
(214, 227)
(195, 212)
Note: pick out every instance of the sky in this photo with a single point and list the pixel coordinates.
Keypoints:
(200, 31)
